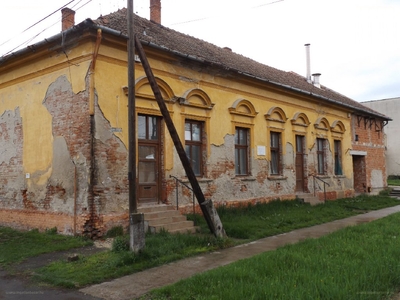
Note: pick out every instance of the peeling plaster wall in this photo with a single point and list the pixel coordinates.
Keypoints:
(111, 169)
(11, 169)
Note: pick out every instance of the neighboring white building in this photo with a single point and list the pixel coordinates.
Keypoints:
(391, 108)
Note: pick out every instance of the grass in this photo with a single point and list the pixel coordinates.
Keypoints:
(160, 248)
(358, 262)
(15, 246)
(395, 182)
(261, 220)
(241, 224)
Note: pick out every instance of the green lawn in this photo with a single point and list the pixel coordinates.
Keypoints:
(360, 262)
(242, 225)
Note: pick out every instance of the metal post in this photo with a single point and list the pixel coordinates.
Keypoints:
(136, 221)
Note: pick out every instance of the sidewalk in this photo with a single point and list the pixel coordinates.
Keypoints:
(135, 285)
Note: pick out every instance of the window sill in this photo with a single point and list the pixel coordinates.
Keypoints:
(199, 179)
(244, 178)
(276, 177)
(323, 176)
(339, 176)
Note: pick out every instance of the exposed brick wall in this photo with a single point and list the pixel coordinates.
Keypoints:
(368, 136)
(59, 202)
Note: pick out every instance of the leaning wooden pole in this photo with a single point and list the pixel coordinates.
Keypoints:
(209, 212)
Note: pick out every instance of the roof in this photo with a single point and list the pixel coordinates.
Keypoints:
(178, 43)
(169, 40)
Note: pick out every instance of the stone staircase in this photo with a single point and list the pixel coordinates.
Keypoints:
(395, 192)
(157, 217)
(309, 198)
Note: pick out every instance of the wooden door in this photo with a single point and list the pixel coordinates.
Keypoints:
(148, 159)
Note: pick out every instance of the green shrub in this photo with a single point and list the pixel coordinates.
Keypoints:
(51, 231)
(115, 231)
(120, 243)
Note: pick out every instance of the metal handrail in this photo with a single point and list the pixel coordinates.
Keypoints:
(325, 183)
(177, 198)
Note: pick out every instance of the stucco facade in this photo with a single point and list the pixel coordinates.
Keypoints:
(64, 132)
(391, 108)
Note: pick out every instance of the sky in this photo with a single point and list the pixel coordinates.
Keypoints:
(355, 44)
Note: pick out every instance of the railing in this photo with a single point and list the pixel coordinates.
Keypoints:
(324, 182)
(177, 196)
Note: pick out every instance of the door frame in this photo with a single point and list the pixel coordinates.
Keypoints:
(158, 161)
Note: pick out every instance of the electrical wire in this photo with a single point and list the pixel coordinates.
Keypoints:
(38, 22)
(55, 23)
(219, 16)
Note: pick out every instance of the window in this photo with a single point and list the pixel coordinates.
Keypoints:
(241, 151)
(338, 157)
(321, 156)
(275, 153)
(193, 145)
(148, 127)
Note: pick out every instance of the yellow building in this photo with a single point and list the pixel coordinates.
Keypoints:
(252, 133)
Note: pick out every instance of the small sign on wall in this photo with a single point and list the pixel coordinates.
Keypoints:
(116, 129)
(261, 150)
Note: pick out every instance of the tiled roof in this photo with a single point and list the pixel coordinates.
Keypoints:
(177, 42)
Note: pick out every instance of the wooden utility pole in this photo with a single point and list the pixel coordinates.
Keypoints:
(136, 221)
(209, 212)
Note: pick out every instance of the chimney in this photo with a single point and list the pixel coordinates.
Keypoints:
(308, 76)
(155, 11)
(68, 18)
(316, 80)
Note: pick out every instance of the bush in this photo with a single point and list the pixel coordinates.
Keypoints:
(120, 244)
(115, 231)
(51, 231)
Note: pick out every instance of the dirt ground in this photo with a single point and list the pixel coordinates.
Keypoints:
(15, 282)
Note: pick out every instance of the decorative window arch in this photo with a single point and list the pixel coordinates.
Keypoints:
(196, 98)
(322, 123)
(143, 89)
(338, 127)
(300, 119)
(243, 107)
(276, 114)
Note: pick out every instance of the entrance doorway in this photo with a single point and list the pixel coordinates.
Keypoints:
(359, 174)
(149, 170)
(299, 162)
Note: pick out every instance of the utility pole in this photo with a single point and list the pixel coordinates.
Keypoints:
(136, 220)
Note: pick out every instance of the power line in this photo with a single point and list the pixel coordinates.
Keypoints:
(38, 34)
(219, 16)
(38, 22)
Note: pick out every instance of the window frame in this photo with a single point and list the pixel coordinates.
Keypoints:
(276, 151)
(242, 147)
(193, 143)
(321, 156)
(338, 165)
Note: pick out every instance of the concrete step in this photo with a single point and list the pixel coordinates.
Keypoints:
(167, 217)
(309, 198)
(161, 214)
(167, 220)
(170, 227)
(155, 208)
